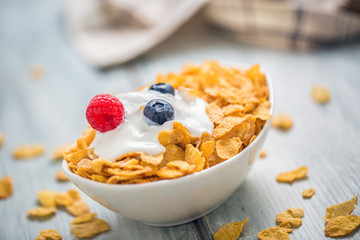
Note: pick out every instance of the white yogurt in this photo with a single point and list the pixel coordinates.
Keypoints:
(135, 135)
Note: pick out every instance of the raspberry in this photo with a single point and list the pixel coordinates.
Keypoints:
(105, 112)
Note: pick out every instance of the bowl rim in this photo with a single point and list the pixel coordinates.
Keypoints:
(168, 182)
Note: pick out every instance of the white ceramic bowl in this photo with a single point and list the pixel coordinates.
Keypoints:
(181, 200)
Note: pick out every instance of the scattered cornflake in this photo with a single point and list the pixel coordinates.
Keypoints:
(6, 187)
(28, 151)
(230, 231)
(2, 139)
(273, 233)
(263, 154)
(78, 208)
(282, 122)
(291, 176)
(37, 72)
(308, 193)
(63, 199)
(89, 229)
(292, 216)
(58, 151)
(41, 211)
(320, 94)
(47, 198)
(342, 225)
(49, 235)
(61, 177)
(87, 217)
(341, 209)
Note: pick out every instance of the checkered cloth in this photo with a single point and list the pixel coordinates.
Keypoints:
(287, 24)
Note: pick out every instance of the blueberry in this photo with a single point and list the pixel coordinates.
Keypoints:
(158, 111)
(163, 88)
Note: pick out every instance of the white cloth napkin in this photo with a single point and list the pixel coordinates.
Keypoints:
(110, 32)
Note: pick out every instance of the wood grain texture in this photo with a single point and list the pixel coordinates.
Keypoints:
(51, 111)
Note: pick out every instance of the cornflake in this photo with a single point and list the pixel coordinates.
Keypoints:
(341, 209)
(262, 154)
(291, 216)
(342, 225)
(6, 187)
(273, 233)
(294, 175)
(49, 235)
(308, 193)
(320, 94)
(282, 122)
(2, 139)
(28, 151)
(47, 198)
(87, 217)
(89, 229)
(42, 211)
(230, 231)
(61, 177)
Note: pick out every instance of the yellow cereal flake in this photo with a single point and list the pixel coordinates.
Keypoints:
(262, 111)
(227, 148)
(63, 199)
(282, 122)
(47, 198)
(181, 165)
(214, 112)
(292, 216)
(341, 209)
(173, 152)
(263, 154)
(273, 233)
(173, 136)
(61, 177)
(308, 193)
(230, 231)
(291, 176)
(193, 157)
(89, 229)
(168, 173)
(78, 208)
(2, 139)
(58, 151)
(87, 217)
(41, 211)
(226, 126)
(37, 72)
(207, 148)
(320, 94)
(49, 235)
(342, 225)
(152, 159)
(6, 187)
(28, 151)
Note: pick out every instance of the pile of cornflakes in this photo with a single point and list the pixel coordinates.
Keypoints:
(238, 105)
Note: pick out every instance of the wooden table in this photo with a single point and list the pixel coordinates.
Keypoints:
(51, 111)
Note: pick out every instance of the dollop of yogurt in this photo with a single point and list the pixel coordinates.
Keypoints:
(135, 135)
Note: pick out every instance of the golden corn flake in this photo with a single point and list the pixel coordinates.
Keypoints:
(320, 94)
(226, 125)
(63, 199)
(28, 151)
(6, 187)
(167, 137)
(292, 216)
(47, 198)
(173, 152)
(341, 209)
(87, 217)
(230, 231)
(263, 154)
(89, 229)
(78, 208)
(207, 148)
(41, 211)
(181, 165)
(308, 193)
(227, 148)
(262, 111)
(282, 122)
(37, 72)
(61, 177)
(49, 235)
(2, 139)
(273, 233)
(291, 176)
(342, 225)
(168, 173)
(152, 159)
(58, 152)
(193, 157)
(286, 227)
